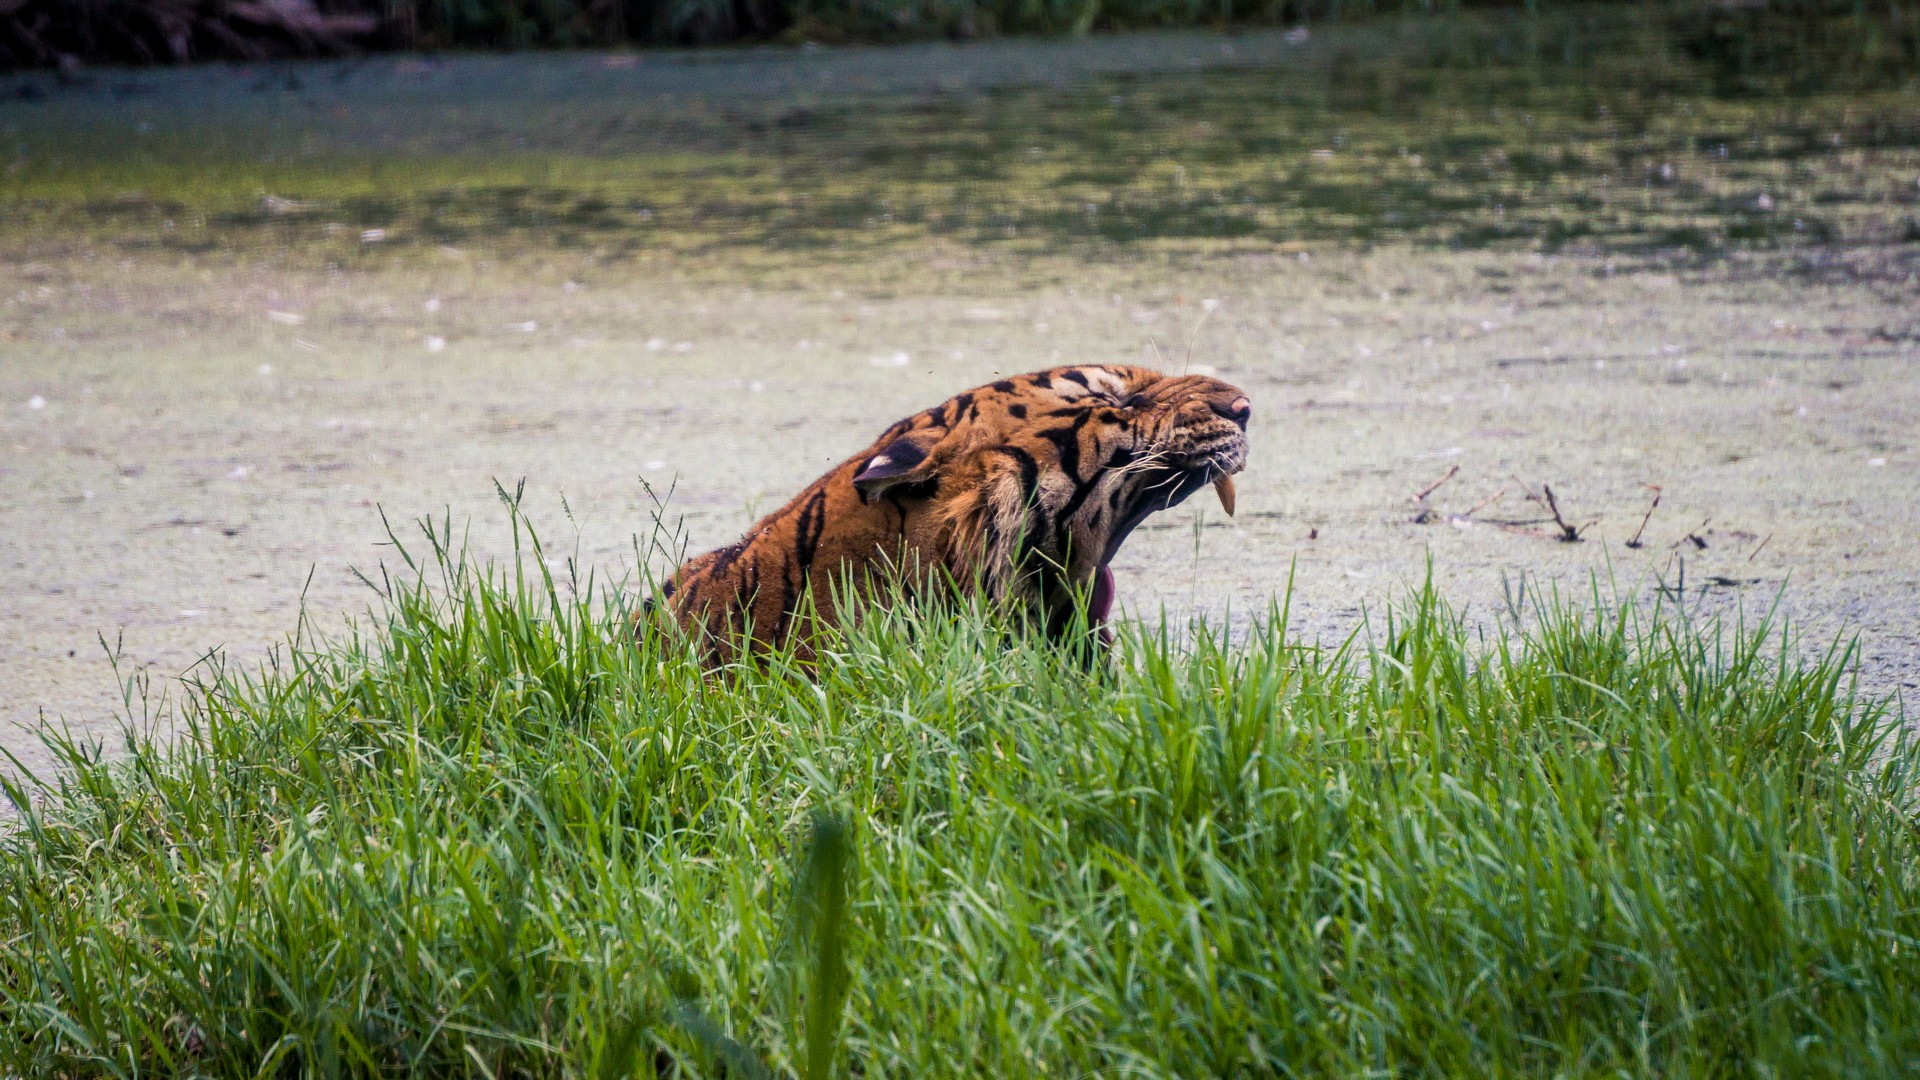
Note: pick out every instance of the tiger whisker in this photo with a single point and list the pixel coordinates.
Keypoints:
(1142, 465)
(1150, 460)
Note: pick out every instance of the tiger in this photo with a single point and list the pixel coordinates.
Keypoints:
(1023, 489)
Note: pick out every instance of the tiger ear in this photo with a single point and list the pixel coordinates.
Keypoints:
(905, 460)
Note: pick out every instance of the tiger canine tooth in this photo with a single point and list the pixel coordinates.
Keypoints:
(1223, 487)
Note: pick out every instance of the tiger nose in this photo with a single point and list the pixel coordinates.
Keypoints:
(1237, 411)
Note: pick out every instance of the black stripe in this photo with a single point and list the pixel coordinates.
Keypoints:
(1066, 443)
(749, 588)
(1081, 490)
(1029, 471)
(1028, 542)
(789, 601)
(1040, 529)
(813, 522)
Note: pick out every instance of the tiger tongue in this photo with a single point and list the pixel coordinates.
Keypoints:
(1100, 604)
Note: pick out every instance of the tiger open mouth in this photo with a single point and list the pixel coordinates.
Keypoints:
(1164, 490)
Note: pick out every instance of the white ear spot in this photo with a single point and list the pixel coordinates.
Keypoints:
(879, 461)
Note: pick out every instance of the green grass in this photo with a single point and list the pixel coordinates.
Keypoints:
(486, 833)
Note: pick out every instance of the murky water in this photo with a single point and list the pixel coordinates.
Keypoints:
(1605, 130)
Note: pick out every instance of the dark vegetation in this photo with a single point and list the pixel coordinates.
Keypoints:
(1749, 34)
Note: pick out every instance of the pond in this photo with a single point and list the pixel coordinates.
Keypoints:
(1603, 129)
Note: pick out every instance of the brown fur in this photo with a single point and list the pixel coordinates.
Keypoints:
(1024, 488)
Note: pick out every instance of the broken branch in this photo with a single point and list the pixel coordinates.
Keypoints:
(1698, 541)
(1635, 542)
(1421, 495)
(1568, 534)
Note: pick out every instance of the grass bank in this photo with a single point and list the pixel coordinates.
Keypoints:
(487, 834)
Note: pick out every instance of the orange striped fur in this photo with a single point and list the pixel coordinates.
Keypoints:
(1023, 488)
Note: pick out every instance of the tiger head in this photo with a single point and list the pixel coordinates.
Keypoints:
(1024, 488)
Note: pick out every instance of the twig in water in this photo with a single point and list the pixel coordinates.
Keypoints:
(1420, 497)
(1479, 506)
(1699, 542)
(1568, 534)
(1655, 505)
